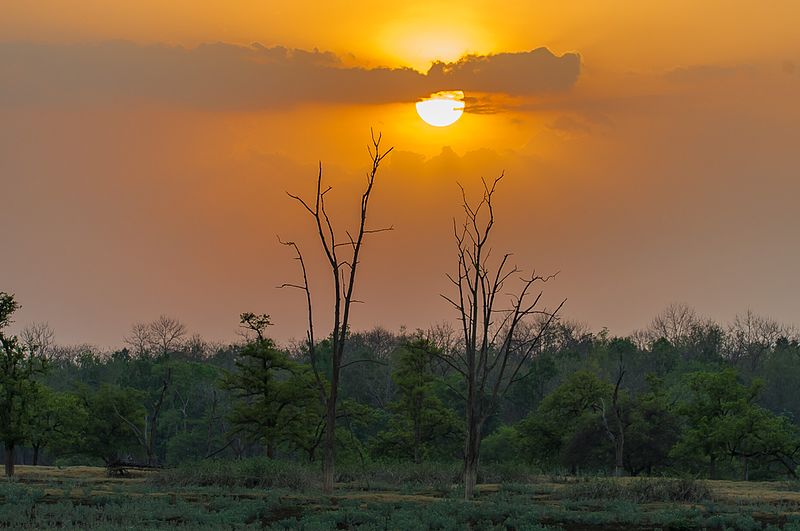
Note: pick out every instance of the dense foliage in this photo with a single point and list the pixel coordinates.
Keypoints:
(685, 396)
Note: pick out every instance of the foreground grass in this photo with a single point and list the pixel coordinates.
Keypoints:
(260, 494)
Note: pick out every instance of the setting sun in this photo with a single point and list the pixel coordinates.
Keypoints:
(442, 108)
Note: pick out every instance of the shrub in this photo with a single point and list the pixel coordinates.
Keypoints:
(639, 490)
(259, 472)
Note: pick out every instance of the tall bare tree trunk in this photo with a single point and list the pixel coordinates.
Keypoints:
(619, 447)
(9, 460)
(329, 450)
(498, 337)
(343, 271)
(471, 454)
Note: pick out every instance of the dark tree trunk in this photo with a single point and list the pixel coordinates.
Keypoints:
(36, 454)
(619, 447)
(270, 450)
(329, 448)
(471, 455)
(9, 459)
(417, 432)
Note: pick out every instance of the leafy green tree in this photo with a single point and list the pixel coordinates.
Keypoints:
(723, 421)
(502, 445)
(567, 426)
(18, 386)
(275, 397)
(57, 418)
(109, 434)
(653, 429)
(761, 437)
(421, 425)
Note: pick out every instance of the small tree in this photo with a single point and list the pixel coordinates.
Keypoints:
(499, 339)
(343, 271)
(725, 422)
(108, 434)
(275, 397)
(56, 420)
(421, 424)
(18, 369)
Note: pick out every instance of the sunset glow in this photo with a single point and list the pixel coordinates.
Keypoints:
(164, 129)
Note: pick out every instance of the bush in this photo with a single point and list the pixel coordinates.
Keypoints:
(256, 472)
(390, 474)
(638, 491)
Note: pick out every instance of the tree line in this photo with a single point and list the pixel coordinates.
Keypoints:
(686, 395)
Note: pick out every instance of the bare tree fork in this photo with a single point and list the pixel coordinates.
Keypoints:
(616, 434)
(501, 331)
(343, 270)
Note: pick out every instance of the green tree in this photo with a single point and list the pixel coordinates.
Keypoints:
(421, 425)
(723, 421)
(109, 434)
(275, 398)
(567, 426)
(653, 429)
(57, 418)
(18, 386)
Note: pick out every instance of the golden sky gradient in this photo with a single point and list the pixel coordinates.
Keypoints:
(146, 148)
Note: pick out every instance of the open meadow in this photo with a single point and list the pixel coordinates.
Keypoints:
(259, 494)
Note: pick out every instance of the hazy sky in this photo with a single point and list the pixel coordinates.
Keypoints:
(650, 150)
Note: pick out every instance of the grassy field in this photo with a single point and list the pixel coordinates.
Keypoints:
(258, 495)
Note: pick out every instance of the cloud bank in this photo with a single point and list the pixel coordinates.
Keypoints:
(223, 76)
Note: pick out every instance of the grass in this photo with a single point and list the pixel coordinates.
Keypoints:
(261, 494)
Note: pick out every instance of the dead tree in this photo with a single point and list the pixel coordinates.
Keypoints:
(342, 255)
(501, 332)
(616, 434)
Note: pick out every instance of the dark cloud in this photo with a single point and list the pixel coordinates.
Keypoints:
(516, 74)
(227, 76)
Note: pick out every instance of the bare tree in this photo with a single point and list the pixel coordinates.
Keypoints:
(751, 336)
(38, 338)
(167, 334)
(674, 323)
(500, 333)
(140, 339)
(342, 255)
(616, 434)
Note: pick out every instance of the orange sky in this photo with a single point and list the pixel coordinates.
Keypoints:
(146, 148)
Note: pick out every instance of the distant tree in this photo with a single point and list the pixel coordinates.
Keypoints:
(343, 271)
(275, 398)
(751, 337)
(161, 337)
(18, 386)
(139, 339)
(109, 434)
(168, 335)
(653, 429)
(566, 427)
(38, 339)
(615, 421)
(723, 421)
(421, 425)
(499, 338)
(674, 323)
(780, 371)
(56, 419)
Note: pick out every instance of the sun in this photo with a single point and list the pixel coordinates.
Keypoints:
(442, 108)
